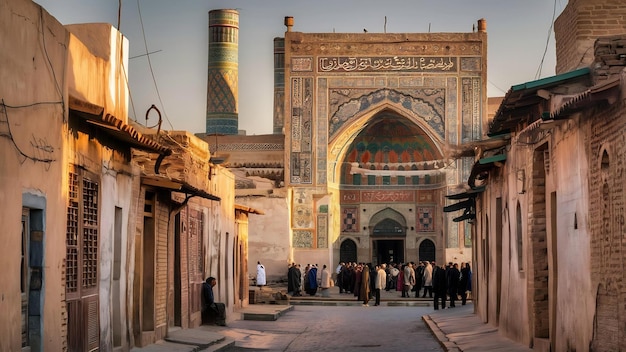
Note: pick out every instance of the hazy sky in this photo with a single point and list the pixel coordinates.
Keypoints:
(518, 32)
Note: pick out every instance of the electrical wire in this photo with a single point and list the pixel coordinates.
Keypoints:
(539, 69)
(498, 88)
(45, 50)
(156, 87)
(19, 150)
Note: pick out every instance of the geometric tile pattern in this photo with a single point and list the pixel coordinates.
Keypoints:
(349, 219)
(425, 220)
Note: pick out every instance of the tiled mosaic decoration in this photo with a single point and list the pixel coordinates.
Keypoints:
(349, 219)
(425, 220)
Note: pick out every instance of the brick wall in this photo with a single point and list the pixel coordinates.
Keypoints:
(607, 150)
(538, 283)
(580, 24)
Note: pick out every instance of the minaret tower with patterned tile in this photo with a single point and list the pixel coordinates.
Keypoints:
(222, 111)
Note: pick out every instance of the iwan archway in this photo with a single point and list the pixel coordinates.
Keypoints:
(389, 175)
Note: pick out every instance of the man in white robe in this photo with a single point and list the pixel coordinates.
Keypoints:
(260, 274)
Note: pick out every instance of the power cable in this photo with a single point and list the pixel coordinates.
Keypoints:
(45, 50)
(156, 87)
(538, 74)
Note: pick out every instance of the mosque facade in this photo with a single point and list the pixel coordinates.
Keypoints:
(369, 124)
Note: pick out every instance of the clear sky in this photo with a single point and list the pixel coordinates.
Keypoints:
(519, 32)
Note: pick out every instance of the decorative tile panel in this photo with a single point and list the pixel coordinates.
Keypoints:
(425, 219)
(302, 239)
(427, 104)
(322, 231)
(301, 64)
(387, 64)
(350, 197)
(350, 219)
(452, 110)
(301, 130)
(470, 64)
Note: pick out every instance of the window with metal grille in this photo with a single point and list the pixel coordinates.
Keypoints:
(82, 232)
(71, 239)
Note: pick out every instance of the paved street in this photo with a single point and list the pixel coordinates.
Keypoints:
(337, 328)
(340, 323)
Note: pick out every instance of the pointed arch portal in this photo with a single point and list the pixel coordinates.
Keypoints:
(388, 234)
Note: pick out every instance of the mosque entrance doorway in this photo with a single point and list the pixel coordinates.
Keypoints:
(388, 241)
(387, 251)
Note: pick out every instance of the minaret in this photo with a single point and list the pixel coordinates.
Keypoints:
(222, 108)
(279, 85)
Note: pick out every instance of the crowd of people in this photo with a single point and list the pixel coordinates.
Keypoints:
(443, 283)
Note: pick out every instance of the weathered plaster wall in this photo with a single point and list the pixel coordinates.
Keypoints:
(268, 238)
(33, 48)
(570, 320)
(101, 54)
(221, 236)
(569, 178)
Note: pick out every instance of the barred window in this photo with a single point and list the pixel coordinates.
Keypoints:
(82, 232)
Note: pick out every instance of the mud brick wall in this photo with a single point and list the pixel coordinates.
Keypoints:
(580, 24)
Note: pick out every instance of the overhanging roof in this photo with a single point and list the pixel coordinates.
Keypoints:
(471, 193)
(482, 167)
(523, 101)
(177, 186)
(458, 206)
(492, 159)
(608, 91)
(247, 209)
(94, 115)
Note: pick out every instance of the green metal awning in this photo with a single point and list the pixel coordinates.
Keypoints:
(492, 159)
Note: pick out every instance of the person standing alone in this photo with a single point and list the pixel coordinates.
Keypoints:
(260, 274)
(381, 282)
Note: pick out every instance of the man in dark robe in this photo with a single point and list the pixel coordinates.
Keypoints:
(294, 280)
(312, 281)
(211, 310)
(453, 283)
(439, 287)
